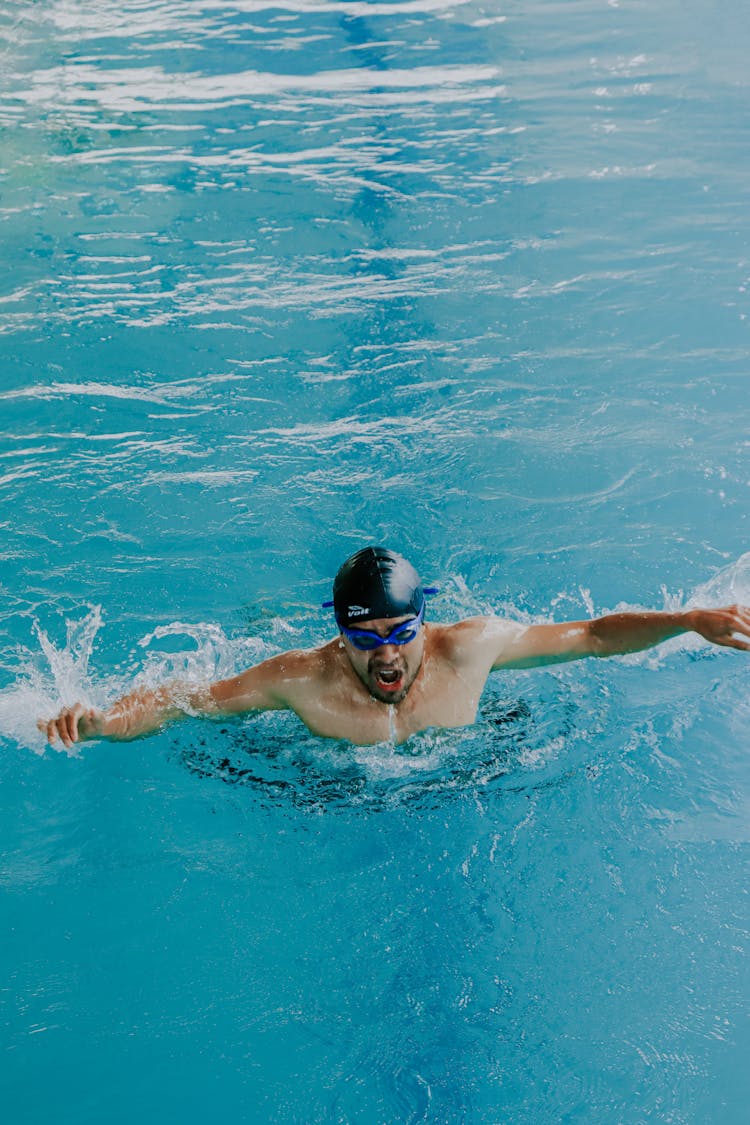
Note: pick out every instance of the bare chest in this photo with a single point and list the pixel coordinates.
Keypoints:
(436, 699)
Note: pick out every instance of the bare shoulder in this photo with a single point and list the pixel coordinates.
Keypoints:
(450, 641)
(274, 683)
(300, 665)
(475, 639)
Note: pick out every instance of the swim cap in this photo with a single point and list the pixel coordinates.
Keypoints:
(376, 583)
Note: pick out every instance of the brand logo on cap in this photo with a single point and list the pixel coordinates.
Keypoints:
(357, 610)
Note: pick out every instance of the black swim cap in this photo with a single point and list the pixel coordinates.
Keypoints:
(376, 583)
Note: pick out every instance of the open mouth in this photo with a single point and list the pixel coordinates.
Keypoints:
(389, 679)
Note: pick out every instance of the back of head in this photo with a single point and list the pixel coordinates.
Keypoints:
(376, 583)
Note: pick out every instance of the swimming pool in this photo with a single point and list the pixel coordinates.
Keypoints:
(469, 279)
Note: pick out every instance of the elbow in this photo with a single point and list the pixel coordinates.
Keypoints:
(598, 644)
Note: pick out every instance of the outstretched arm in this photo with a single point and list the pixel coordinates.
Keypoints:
(145, 710)
(620, 633)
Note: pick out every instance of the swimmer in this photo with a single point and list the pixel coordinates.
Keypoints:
(389, 673)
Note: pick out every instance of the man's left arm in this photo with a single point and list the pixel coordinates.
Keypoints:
(619, 633)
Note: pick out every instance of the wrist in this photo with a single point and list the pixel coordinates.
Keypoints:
(690, 620)
(92, 724)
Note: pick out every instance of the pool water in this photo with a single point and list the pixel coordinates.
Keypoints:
(283, 279)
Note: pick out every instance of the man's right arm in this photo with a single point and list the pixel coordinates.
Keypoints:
(146, 710)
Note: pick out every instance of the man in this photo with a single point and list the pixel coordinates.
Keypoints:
(389, 674)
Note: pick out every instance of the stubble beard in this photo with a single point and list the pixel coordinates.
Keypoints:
(382, 695)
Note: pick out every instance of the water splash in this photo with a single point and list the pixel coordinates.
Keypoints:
(516, 743)
(57, 675)
(39, 692)
(201, 652)
(729, 585)
(69, 665)
(505, 738)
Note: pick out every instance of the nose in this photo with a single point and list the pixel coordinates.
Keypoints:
(387, 653)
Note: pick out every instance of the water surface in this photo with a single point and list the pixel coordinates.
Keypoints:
(283, 279)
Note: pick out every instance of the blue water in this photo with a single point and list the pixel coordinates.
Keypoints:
(281, 280)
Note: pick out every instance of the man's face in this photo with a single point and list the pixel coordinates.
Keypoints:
(389, 670)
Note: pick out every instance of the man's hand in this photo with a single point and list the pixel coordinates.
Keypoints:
(73, 724)
(719, 625)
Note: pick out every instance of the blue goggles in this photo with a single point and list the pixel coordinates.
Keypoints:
(403, 634)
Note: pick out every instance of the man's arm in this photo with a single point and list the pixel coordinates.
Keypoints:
(619, 633)
(145, 710)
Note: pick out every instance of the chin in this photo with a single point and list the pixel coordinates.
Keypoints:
(391, 697)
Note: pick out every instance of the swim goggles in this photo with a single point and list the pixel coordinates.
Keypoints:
(403, 634)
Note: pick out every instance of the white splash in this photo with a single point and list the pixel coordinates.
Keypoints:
(57, 675)
(69, 665)
(40, 692)
(730, 585)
